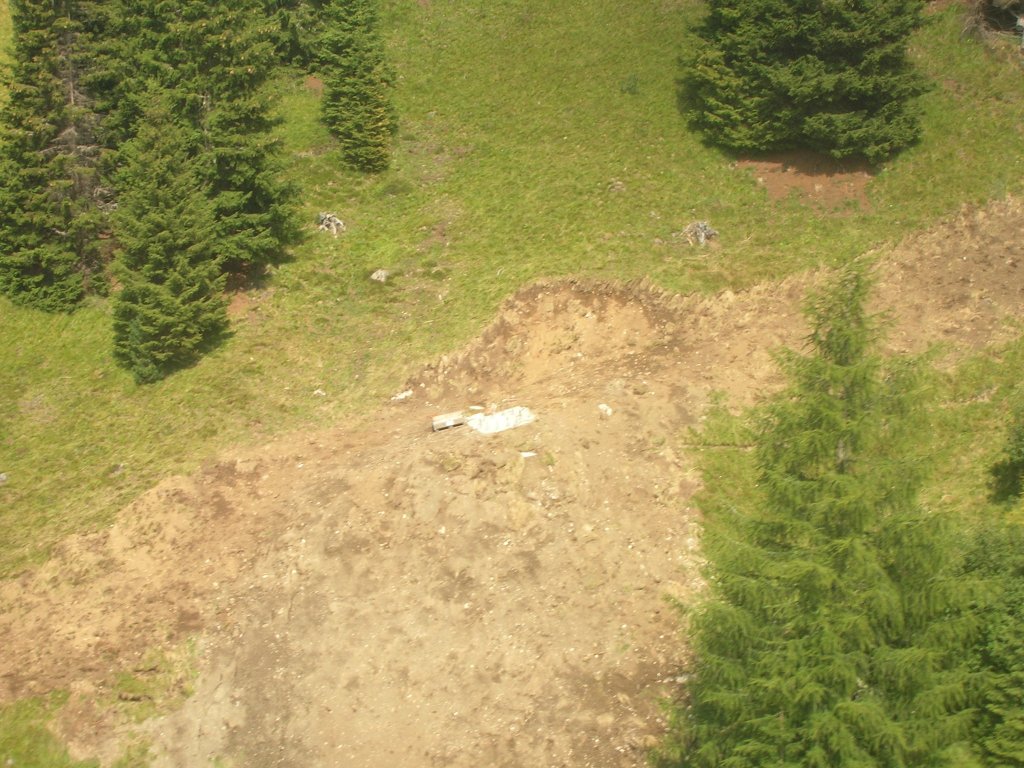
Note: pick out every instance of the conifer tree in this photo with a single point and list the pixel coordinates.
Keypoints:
(297, 28)
(221, 55)
(48, 217)
(829, 76)
(126, 59)
(834, 632)
(213, 60)
(998, 557)
(170, 304)
(357, 106)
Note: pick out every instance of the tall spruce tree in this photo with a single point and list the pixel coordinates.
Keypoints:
(998, 558)
(49, 220)
(171, 301)
(298, 25)
(219, 57)
(357, 106)
(213, 60)
(126, 59)
(834, 632)
(829, 75)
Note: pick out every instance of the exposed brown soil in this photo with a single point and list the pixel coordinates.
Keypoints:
(314, 84)
(818, 179)
(383, 595)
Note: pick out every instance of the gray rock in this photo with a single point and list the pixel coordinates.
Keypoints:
(329, 222)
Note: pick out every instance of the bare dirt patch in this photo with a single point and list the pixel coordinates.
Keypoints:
(383, 595)
(818, 179)
(958, 284)
(313, 84)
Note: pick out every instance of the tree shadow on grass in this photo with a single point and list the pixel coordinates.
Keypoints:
(1006, 481)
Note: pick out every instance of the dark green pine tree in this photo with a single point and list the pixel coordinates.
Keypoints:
(214, 59)
(126, 58)
(298, 25)
(357, 105)
(171, 302)
(218, 58)
(998, 558)
(820, 74)
(48, 215)
(834, 634)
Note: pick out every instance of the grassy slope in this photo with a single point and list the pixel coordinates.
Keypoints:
(25, 740)
(968, 429)
(970, 432)
(519, 117)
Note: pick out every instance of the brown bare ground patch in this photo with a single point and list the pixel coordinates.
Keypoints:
(382, 595)
(817, 179)
(314, 84)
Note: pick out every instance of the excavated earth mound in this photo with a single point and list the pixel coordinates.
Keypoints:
(386, 595)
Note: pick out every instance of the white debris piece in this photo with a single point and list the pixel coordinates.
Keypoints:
(329, 222)
(489, 423)
(448, 420)
(697, 233)
(380, 275)
(605, 410)
(402, 396)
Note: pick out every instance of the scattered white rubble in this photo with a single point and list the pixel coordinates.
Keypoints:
(487, 423)
(329, 222)
(448, 420)
(698, 232)
(510, 418)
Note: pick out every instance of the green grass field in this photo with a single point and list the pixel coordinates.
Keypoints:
(25, 740)
(541, 139)
(538, 139)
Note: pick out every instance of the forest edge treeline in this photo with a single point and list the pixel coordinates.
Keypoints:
(106, 97)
